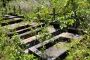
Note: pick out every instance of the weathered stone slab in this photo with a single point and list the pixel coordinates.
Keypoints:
(12, 17)
(9, 17)
(10, 22)
(13, 26)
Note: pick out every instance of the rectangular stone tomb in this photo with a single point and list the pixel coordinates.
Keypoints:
(37, 37)
(54, 51)
(24, 30)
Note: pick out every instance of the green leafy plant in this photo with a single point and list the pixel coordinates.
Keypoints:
(10, 48)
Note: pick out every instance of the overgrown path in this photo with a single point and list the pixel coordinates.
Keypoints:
(37, 42)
